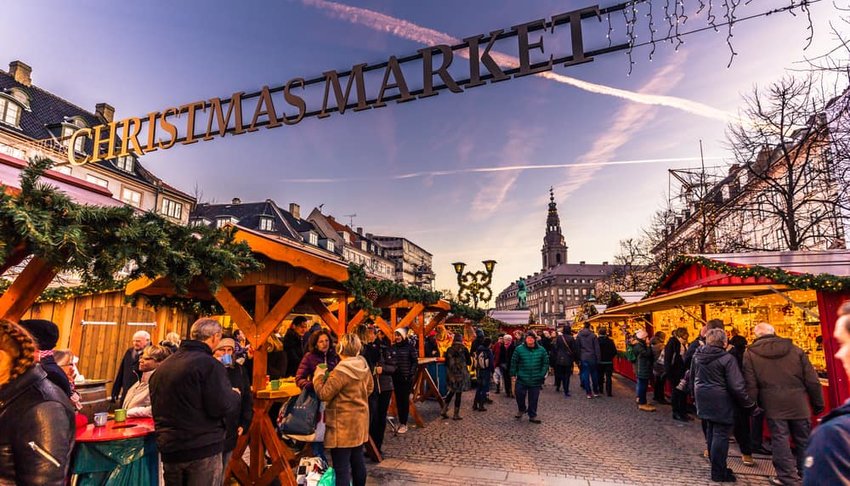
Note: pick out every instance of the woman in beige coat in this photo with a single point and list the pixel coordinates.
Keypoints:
(346, 391)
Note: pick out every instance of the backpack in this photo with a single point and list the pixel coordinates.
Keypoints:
(482, 361)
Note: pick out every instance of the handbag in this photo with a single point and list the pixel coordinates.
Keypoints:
(318, 434)
(301, 414)
(563, 359)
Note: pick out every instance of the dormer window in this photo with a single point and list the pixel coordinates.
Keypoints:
(126, 163)
(10, 112)
(79, 142)
(313, 238)
(224, 220)
(266, 223)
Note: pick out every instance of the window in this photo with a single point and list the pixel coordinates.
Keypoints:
(314, 238)
(131, 197)
(223, 220)
(79, 142)
(125, 163)
(9, 112)
(266, 224)
(97, 180)
(330, 245)
(62, 169)
(172, 209)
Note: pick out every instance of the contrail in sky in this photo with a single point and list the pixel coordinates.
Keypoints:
(506, 168)
(408, 30)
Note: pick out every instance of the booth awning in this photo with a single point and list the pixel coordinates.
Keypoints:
(695, 296)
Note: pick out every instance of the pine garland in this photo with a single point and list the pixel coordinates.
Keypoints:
(803, 281)
(97, 242)
(467, 312)
(366, 291)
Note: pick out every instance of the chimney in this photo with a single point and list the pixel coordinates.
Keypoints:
(581, 262)
(105, 111)
(604, 263)
(295, 210)
(235, 201)
(21, 72)
(360, 230)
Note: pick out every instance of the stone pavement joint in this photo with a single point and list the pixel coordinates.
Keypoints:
(599, 442)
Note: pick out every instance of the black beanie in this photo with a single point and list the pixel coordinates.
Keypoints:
(45, 333)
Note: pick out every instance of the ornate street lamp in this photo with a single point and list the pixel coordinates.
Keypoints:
(474, 286)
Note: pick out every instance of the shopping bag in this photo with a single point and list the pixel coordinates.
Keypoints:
(329, 478)
(301, 415)
(318, 435)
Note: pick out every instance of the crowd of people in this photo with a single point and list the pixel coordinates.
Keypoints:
(198, 391)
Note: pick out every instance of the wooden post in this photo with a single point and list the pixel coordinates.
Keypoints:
(342, 313)
(26, 288)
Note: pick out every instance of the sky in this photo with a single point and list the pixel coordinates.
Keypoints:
(465, 176)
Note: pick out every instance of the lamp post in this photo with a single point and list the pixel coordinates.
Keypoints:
(474, 286)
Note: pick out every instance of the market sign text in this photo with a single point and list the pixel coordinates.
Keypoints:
(205, 120)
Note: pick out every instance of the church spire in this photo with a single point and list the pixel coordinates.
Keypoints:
(554, 248)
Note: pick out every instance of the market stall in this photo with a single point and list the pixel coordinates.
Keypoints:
(795, 292)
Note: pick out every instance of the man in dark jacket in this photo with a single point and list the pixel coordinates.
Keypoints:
(46, 335)
(639, 347)
(607, 350)
(780, 376)
(503, 360)
(530, 363)
(239, 419)
(128, 371)
(293, 345)
(588, 349)
(718, 386)
(191, 398)
(826, 457)
(407, 361)
(674, 371)
(565, 356)
(381, 361)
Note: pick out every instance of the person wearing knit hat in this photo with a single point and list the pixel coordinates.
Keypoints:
(407, 362)
(529, 364)
(33, 411)
(239, 419)
(457, 375)
(46, 335)
(503, 362)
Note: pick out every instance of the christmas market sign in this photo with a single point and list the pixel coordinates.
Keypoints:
(205, 120)
(370, 86)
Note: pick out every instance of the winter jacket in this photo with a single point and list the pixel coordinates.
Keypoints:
(346, 392)
(35, 411)
(643, 362)
(674, 361)
(240, 416)
(692, 349)
(737, 347)
(487, 355)
(406, 360)
(504, 355)
(826, 461)
(137, 401)
(304, 375)
(657, 347)
(530, 365)
(457, 367)
(607, 350)
(379, 354)
(190, 397)
(277, 362)
(431, 349)
(588, 345)
(566, 351)
(718, 385)
(780, 376)
(128, 373)
(294, 349)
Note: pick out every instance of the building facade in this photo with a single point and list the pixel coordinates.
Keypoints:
(356, 247)
(412, 262)
(35, 123)
(559, 285)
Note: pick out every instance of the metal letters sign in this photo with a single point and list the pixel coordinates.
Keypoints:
(241, 113)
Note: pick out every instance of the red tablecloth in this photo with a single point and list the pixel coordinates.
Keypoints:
(130, 429)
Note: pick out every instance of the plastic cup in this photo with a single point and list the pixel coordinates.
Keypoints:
(100, 419)
(120, 415)
(275, 384)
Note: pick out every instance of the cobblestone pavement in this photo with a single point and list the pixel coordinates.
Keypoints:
(596, 442)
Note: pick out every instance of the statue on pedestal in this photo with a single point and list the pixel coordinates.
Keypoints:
(522, 294)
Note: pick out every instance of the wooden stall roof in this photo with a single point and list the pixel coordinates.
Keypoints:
(274, 248)
(694, 296)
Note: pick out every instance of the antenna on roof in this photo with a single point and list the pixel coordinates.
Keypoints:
(350, 218)
(321, 206)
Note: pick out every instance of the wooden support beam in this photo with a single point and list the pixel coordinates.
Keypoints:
(342, 312)
(393, 318)
(357, 319)
(382, 324)
(412, 314)
(238, 313)
(435, 321)
(325, 314)
(26, 288)
(261, 302)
